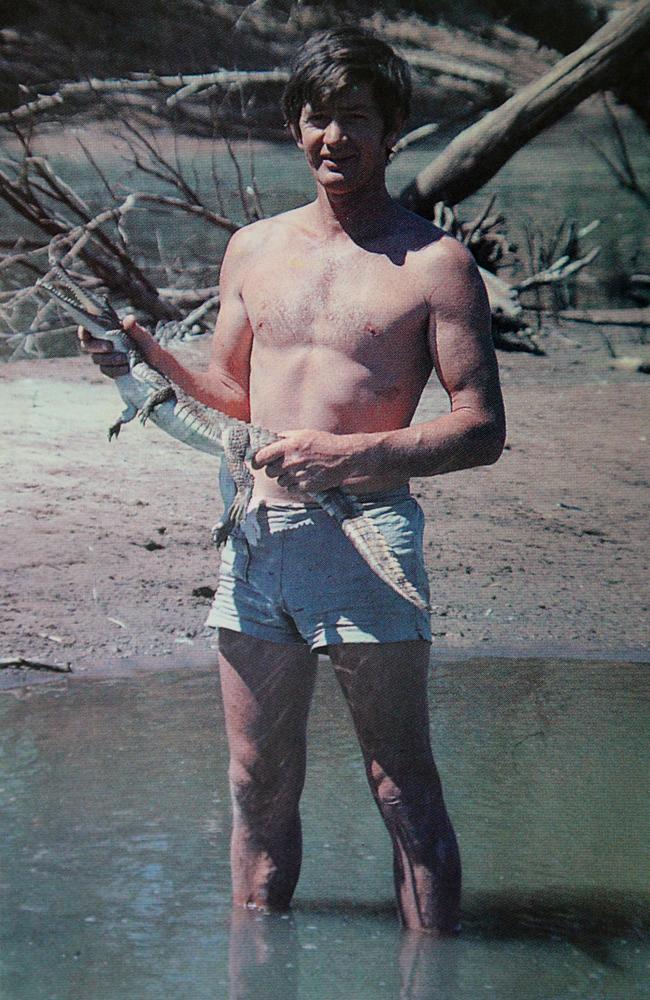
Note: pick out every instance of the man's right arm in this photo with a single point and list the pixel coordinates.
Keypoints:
(224, 385)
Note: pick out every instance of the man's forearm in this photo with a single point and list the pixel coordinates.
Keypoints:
(212, 387)
(455, 441)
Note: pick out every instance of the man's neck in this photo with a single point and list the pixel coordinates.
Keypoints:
(358, 215)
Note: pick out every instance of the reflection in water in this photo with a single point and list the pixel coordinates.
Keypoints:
(263, 956)
(114, 871)
(264, 960)
(428, 968)
(265, 950)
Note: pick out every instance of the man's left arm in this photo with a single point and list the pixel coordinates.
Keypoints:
(460, 342)
(471, 434)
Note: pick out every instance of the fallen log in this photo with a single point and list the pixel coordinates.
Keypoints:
(480, 151)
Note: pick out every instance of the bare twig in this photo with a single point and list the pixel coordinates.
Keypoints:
(182, 206)
(189, 296)
(240, 181)
(58, 186)
(416, 135)
(559, 271)
(622, 169)
(168, 172)
(475, 226)
(96, 167)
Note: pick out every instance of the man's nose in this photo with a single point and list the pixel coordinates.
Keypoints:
(334, 133)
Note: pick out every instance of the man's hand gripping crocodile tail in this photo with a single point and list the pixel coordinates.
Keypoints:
(149, 393)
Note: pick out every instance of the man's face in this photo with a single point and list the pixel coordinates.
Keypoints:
(345, 140)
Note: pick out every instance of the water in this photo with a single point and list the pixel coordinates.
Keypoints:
(114, 870)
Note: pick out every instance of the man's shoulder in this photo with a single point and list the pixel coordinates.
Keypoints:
(257, 234)
(429, 245)
(432, 242)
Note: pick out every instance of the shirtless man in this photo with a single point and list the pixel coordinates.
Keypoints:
(332, 318)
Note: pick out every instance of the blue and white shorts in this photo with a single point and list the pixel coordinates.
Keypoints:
(289, 574)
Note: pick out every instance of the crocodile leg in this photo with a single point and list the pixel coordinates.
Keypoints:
(125, 417)
(236, 444)
(155, 399)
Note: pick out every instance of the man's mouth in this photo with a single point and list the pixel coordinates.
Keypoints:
(335, 161)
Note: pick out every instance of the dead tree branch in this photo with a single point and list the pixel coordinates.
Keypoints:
(449, 66)
(184, 85)
(559, 271)
(94, 242)
(416, 135)
(182, 206)
(476, 155)
(608, 317)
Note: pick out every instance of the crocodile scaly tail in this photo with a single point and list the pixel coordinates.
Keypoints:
(369, 542)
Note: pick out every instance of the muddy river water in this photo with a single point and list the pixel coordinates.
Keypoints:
(114, 877)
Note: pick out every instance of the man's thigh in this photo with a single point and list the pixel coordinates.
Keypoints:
(385, 685)
(267, 689)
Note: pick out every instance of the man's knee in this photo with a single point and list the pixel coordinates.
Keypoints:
(263, 791)
(408, 780)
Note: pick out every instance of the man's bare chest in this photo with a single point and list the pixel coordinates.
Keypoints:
(356, 301)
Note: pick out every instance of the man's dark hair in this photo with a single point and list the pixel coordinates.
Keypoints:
(339, 57)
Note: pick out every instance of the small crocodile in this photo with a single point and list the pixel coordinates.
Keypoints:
(147, 392)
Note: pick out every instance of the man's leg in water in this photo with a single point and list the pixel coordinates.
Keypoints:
(267, 689)
(385, 685)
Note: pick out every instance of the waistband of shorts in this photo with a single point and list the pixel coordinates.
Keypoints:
(380, 498)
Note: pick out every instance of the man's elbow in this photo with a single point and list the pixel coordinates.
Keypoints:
(493, 441)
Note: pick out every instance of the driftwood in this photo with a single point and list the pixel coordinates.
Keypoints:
(490, 246)
(23, 661)
(565, 33)
(416, 135)
(192, 85)
(480, 151)
(608, 317)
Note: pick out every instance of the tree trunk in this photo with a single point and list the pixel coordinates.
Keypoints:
(480, 151)
(564, 30)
